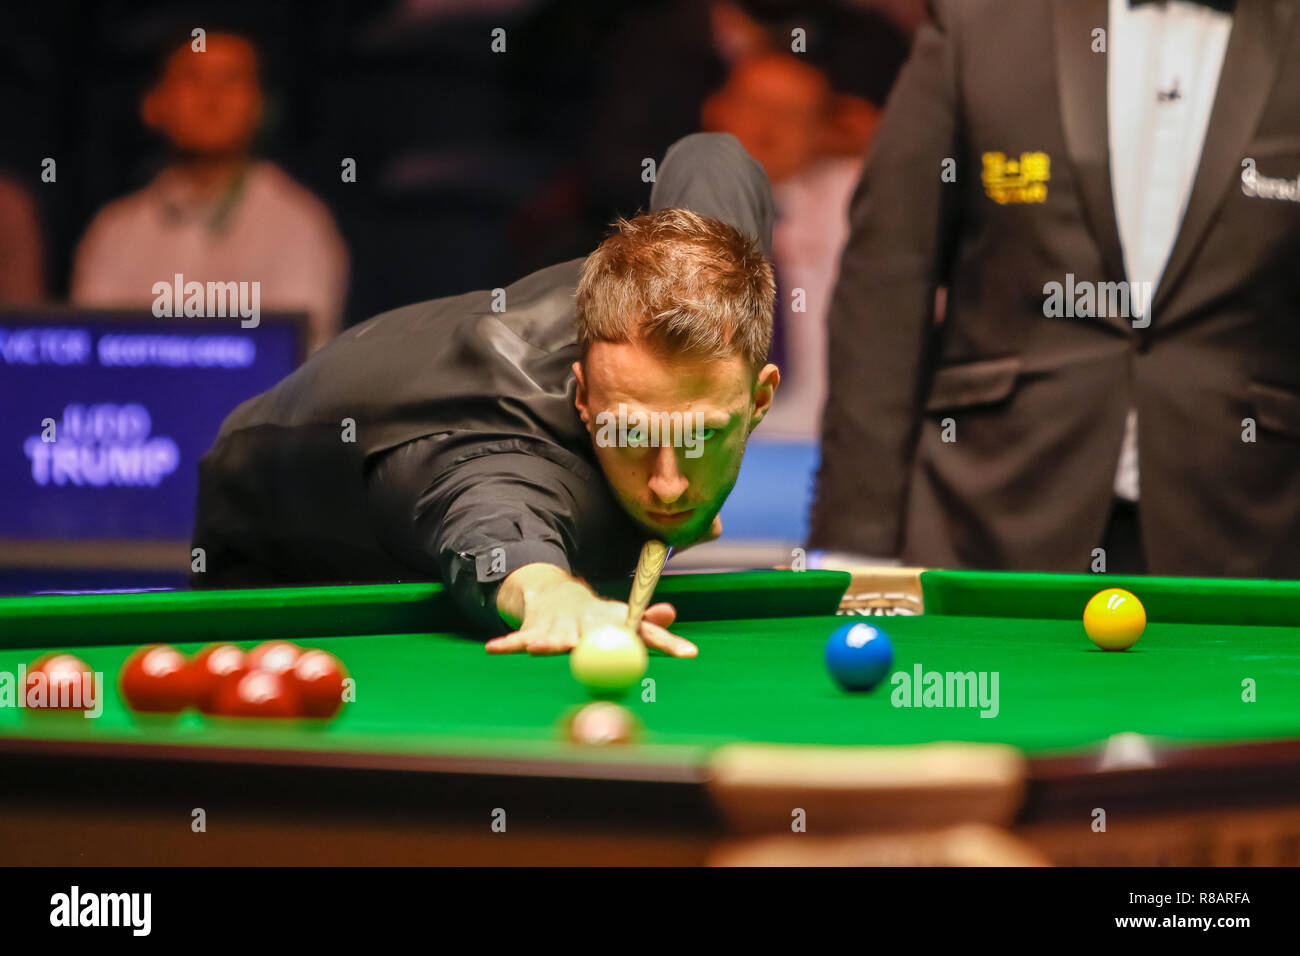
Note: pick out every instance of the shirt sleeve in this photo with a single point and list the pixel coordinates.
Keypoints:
(470, 515)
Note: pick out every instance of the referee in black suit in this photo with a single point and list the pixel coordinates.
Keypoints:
(1109, 190)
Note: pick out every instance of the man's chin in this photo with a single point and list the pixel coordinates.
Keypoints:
(678, 535)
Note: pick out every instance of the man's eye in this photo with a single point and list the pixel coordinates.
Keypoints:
(707, 434)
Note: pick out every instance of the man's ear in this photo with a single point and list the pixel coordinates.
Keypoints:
(764, 391)
(580, 395)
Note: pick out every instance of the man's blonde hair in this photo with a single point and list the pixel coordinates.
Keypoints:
(680, 282)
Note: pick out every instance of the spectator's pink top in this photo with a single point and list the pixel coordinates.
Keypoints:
(267, 229)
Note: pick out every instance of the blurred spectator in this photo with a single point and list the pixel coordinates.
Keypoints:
(782, 110)
(214, 213)
(22, 277)
(639, 103)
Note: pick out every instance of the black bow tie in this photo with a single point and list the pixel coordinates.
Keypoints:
(1223, 6)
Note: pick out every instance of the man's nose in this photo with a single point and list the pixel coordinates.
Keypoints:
(667, 482)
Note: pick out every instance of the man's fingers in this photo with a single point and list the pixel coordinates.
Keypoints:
(662, 614)
(672, 645)
(511, 643)
(549, 647)
(560, 635)
(560, 638)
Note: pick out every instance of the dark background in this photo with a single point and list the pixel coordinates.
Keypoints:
(473, 167)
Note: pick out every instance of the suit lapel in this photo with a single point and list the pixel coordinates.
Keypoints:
(1254, 52)
(1081, 81)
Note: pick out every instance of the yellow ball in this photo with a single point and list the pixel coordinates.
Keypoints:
(608, 660)
(1114, 619)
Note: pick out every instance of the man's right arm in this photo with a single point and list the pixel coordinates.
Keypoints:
(882, 313)
(498, 528)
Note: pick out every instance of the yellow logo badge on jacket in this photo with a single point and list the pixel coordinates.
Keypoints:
(1017, 180)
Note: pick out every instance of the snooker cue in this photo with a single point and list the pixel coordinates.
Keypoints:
(648, 568)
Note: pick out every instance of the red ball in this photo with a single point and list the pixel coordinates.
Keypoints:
(259, 693)
(275, 656)
(213, 666)
(64, 680)
(157, 679)
(318, 677)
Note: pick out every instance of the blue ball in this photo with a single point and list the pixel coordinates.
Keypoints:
(859, 656)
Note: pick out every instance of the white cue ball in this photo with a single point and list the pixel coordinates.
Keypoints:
(608, 660)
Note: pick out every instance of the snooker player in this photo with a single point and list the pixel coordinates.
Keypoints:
(468, 440)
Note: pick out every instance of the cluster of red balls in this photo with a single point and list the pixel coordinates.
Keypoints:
(275, 679)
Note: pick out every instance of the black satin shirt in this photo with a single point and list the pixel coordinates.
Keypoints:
(440, 441)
